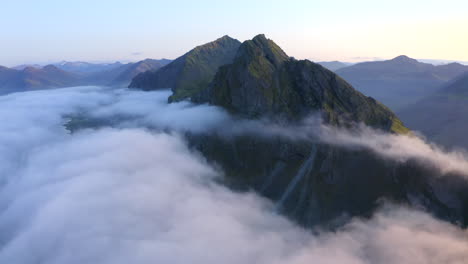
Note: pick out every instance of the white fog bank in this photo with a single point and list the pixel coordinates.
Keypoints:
(133, 195)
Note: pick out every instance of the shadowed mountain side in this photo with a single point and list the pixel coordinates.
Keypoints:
(322, 184)
(401, 81)
(442, 117)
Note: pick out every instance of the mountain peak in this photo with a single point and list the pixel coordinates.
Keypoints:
(224, 38)
(50, 67)
(264, 82)
(260, 38)
(261, 47)
(404, 58)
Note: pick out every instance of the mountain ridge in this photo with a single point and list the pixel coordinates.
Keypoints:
(190, 72)
(27, 77)
(264, 81)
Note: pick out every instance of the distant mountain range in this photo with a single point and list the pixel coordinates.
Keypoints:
(401, 81)
(442, 116)
(86, 67)
(64, 74)
(28, 78)
(334, 65)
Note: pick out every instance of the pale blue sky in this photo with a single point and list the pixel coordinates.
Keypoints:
(104, 30)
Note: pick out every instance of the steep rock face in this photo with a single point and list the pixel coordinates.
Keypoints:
(264, 81)
(192, 72)
(319, 184)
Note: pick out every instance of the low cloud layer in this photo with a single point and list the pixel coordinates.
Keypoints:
(151, 110)
(133, 195)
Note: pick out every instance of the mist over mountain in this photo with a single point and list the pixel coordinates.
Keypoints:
(133, 192)
(442, 116)
(400, 81)
(234, 153)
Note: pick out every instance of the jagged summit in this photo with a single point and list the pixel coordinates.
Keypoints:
(261, 46)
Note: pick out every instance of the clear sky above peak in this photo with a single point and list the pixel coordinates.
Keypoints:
(53, 30)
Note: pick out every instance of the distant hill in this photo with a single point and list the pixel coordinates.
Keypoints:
(401, 81)
(443, 116)
(24, 77)
(191, 72)
(122, 75)
(131, 70)
(23, 66)
(334, 65)
(35, 78)
(86, 67)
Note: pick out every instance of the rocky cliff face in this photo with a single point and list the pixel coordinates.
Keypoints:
(319, 184)
(192, 72)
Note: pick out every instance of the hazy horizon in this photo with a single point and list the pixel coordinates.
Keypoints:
(356, 60)
(316, 30)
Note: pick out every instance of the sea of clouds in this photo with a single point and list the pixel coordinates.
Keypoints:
(135, 193)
